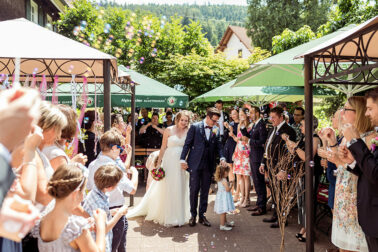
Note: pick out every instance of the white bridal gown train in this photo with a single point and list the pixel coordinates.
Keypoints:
(167, 201)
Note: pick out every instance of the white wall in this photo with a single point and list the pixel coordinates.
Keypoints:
(233, 46)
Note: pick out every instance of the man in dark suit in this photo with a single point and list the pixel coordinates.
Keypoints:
(275, 147)
(364, 164)
(224, 117)
(198, 158)
(257, 138)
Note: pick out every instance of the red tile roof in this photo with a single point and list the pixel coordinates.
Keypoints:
(240, 32)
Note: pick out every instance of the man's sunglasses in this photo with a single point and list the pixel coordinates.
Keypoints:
(119, 147)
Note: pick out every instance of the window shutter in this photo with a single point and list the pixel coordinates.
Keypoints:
(27, 10)
(41, 16)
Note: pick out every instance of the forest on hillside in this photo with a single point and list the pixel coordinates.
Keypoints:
(213, 18)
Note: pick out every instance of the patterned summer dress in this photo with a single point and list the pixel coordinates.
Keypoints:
(346, 232)
(241, 158)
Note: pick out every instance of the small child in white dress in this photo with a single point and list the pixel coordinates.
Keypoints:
(223, 201)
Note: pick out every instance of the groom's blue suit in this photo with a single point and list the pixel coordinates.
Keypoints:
(199, 153)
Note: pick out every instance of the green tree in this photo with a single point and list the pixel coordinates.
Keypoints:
(257, 55)
(199, 74)
(289, 39)
(348, 12)
(267, 18)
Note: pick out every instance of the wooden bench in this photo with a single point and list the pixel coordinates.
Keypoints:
(144, 151)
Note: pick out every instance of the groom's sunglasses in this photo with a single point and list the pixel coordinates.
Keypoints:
(119, 147)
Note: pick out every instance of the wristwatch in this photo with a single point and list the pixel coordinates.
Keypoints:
(352, 141)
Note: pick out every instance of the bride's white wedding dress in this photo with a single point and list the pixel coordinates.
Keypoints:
(167, 201)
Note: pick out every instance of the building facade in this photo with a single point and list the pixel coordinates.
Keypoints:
(235, 43)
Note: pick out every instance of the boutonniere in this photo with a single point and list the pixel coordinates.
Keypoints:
(277, 133)
(374, 143)
(215, 131)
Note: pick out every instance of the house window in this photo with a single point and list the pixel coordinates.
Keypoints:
(34, 11)
(49, 22)
(240, 53)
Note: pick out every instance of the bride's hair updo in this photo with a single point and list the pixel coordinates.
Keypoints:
(181, 114)
(65, 180)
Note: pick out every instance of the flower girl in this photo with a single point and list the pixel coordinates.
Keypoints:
(223, 201)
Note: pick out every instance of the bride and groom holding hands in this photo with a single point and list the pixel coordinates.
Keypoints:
(188, 156)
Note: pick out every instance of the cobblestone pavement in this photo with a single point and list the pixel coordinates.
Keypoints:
(250, 234)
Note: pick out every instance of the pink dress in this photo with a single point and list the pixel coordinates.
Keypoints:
(241, 158)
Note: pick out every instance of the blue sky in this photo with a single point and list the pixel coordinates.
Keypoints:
(236, 2)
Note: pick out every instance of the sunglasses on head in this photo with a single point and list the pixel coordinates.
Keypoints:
(119, 147)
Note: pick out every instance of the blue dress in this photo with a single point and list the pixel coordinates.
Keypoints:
(223, 201)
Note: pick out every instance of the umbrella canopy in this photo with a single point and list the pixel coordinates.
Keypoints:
(282, 69)
(148, 93)
(259, 95)
(44, 52)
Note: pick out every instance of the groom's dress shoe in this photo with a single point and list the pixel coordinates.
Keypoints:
(204, 221)
(270, 220)
(192, 221)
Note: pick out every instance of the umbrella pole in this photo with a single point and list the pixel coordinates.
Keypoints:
(107, 97)
(309, 172)
(132, 134)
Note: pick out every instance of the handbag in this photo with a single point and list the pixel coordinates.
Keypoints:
(322, 192)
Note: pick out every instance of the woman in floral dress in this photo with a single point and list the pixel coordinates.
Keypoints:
(242, 167)
(346, 232)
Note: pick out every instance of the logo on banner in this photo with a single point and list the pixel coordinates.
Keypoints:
(171, 101)
(90, 101)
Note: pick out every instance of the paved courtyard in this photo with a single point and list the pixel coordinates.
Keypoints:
(250, 234)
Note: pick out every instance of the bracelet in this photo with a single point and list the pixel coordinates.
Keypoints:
(332, 146)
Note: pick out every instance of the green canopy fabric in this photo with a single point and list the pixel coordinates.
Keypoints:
(259, 95)
(282, 69)
(148, 93)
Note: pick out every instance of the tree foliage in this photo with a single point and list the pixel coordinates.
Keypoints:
(267, 18)
(289, 39)
(214, 19)
(257, 55)
(199, 74)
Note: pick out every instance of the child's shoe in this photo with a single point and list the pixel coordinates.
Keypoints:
(225, 228)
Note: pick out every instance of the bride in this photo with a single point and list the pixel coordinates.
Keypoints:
(167, 201)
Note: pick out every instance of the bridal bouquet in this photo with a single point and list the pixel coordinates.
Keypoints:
(158, 173)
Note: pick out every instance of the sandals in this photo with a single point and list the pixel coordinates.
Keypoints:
(298, 235)
(302, 239)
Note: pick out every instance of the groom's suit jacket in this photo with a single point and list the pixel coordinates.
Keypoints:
(367, 190)
(197, 149)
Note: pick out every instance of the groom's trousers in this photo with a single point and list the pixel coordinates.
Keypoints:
(200, 181)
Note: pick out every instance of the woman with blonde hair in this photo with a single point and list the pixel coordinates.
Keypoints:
(55, 152)
(346, 232)
(167, 201)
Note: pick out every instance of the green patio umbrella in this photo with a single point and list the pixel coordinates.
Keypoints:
(259, 95)
(148, 93)
(283, 70)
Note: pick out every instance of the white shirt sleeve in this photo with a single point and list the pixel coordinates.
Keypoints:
(353, 165)
(126, 185)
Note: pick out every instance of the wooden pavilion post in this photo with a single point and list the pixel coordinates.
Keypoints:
(309, 165)
(132, 133)
(107, 95)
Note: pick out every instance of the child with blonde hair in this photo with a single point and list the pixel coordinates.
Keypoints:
(223, 201)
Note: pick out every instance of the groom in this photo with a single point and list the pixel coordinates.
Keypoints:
(202, 141)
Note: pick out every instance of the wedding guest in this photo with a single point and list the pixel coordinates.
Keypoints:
(365, 166)
(257, 138)
(106, 179)
(298, 149)
(346, 231)
(18, 112)
(55, 152)
(135, 119)
(242, 167)
(59, 229)
(152, 133)
(223, 118)
(123, 129)
(229, 147)
(223, 201)
(274, 147)
(90, 147)
(110, 144)
(333, 144)
(298, 117)
(168, 120)
(144, 120)
(289, 118)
